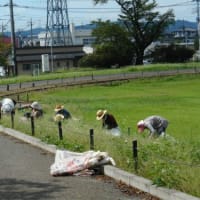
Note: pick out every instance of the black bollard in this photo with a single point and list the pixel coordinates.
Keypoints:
(91, 139)
(12, 118)
(135, 154)
(27, 98)
(60, 130)
(32, 126)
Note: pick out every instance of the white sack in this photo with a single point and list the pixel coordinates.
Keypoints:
(67, 162)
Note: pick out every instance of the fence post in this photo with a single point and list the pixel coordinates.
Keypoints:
(32, 126)
(135, 154)
(129, 131)
(12, 118)
(0, 110)
(60, 130)
(27, 98)
(91, 139)
(20, 85)
(8, 88)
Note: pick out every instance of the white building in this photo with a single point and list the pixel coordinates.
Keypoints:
(81, 35)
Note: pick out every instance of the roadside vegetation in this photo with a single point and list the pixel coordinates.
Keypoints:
(87, 71)
(172, 162)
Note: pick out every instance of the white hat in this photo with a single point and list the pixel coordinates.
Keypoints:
(100, 114)
(7, 108)
(36, 105)
(140, 123)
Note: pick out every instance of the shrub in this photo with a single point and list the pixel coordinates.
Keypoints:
(172, 54)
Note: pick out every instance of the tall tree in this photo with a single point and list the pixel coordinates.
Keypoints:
(5, 49)
(112, 46)
(143, 22)
(112, 42)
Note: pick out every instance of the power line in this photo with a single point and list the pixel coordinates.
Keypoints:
(177, 4)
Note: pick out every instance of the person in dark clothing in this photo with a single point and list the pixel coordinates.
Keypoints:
(108, 122)
(60, 110)
(155, 124)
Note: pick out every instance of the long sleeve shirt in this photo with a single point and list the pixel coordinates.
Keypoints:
(156, 124)
(109, 121)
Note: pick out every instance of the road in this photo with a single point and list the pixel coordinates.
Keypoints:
(25, 175)
(93, 79)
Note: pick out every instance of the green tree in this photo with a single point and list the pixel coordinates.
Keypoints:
(112, 46)
(5, 49)
(113, 41)
(143, 23)
(172, 54)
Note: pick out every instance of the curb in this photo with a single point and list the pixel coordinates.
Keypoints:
(113, 172)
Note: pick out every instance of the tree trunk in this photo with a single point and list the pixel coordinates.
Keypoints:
(139, 58)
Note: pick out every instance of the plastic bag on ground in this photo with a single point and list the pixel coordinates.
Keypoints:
(67, 162)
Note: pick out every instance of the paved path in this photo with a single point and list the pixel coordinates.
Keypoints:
(24, 174)
(94, 79)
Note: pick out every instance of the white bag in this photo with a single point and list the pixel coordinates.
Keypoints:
(67, 162)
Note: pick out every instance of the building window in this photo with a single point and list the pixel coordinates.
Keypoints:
(88, 41)
(26, 67)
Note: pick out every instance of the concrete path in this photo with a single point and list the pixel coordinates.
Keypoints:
(24, 174)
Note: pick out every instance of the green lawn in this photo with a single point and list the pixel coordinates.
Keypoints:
(172, 162)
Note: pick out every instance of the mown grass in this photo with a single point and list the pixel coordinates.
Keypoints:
(173, 162)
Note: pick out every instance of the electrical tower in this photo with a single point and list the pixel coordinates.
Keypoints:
(58, 29)
(198, 22)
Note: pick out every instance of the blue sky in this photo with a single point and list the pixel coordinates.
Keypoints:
(82, 12)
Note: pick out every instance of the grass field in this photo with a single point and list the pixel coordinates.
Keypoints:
(173, 162)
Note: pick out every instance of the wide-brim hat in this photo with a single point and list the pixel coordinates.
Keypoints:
(58, 107)
(35, 105)
(100, 114)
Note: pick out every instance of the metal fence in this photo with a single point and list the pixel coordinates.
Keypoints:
(95, 79)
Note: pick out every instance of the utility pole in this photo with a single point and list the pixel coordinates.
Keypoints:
(3, 27)
(198, 23)
(31, 30)
(13, 38)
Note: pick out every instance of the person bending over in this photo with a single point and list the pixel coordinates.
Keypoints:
(108, 122)
(156, 125)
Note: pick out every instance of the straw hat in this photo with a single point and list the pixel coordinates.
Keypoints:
(100, 114)
(58, 107)
(35, 105)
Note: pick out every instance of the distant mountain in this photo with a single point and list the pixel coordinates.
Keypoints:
(26, 33)
(179, 24)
